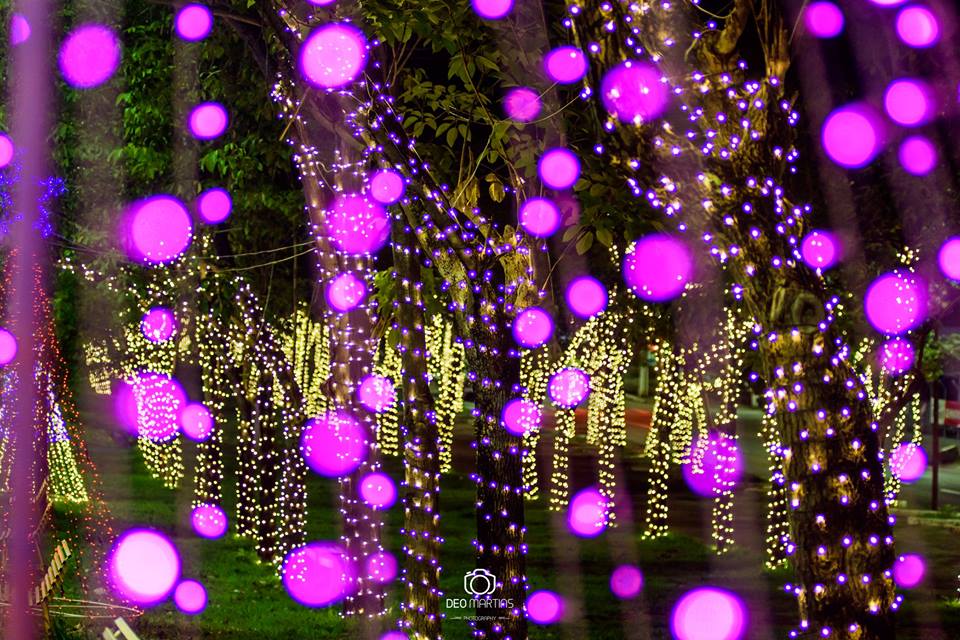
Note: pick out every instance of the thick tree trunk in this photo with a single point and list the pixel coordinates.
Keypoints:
(841, 536)
(501, 531)
(421, 458)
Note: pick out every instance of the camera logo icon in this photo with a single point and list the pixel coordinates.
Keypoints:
(479, 582)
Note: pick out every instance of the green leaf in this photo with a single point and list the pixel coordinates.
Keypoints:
(604, 236)
(584, 243)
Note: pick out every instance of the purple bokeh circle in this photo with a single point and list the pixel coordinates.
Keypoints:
(334, 55)
(568, 387)
(89, 56)
(522, 104)
(896, 303)
(521, 416)
(708, 613)
(333, 444)
(318, 574)
(658, 267)
(209, 521)
(544, 607)
(143, 566)
(532, 328)
(190, 597)
(634, 92)
(565, 65)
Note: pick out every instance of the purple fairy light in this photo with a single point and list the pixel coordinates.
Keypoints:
(917, 155)
(522, 104)
(492, 9)
(318, 574)
(157, 230)
(587, 513)
(626, 581)
(143, 566)
(568, 387)
(820, 249)
(708, 613)
(532, 328)
(357, 224)
(949, 258)
(158, 324)
(539, 217)
(908, 102)
(633, 92)
(208, 120)
(559, 168)
(345, 292)
(333, 444)
(565, 65)
(520, 416)
(190, 597)
(896, 303)
(209, 521)
(658, 267)
(193, 22)
(852, 135)
(823, 19)
(333, 55)
(544, 607)
(89, 56)
(214, 205)
(918, 27)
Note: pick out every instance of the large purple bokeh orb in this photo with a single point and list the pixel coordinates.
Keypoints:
(318, 574)
(565, 65)
(157, 230)
(89, 56)
(716, 465)
(158, 324)
(568, 387)
(587, 513)
(633, 92)
(333, 55)
(820, 249)
(196, 422)
(8, 347)
(908, 462)
(658, 267)
(918, 27)
(708, 613)
(19, 29)
(539, 217)
(559, 168)
(626, 581)
(908, 570)
(357, 224)
(852, 136)
(896, 303)
(586, 297)
(522, 104)
(896, 356)
(386, 186)
(378, 490)
(333, 444)
(6, 150)
(214, 205)
(376, 393)
(521, 416)
(208, 120)
(209, 521)
(949, 258)
(908, 102)
(917, 155)
(381, 567)
(143, 566)
(190, 597)
(544, 607)
(193, 22)
(492, 9)
(345, 292)
(532, 328)
(823, 19)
